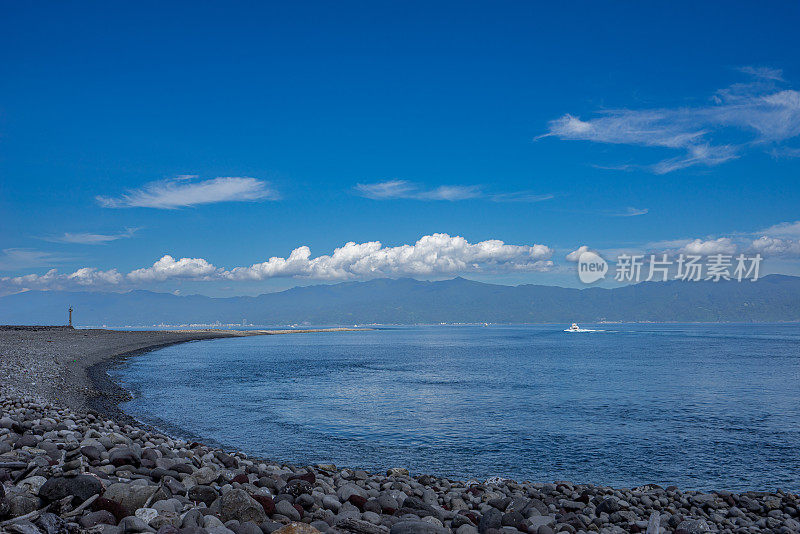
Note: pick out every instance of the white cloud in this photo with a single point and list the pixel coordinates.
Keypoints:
(437, 254)
(778, 240)
(89, 238)
(521, 196)
(168, 267)
(431, 255)
(387, 190)
(451, 193)
(185, 191)
(89, 276)
(754, 113)
(575, 255)
(13, 259)
(775, 246)
(394, 189)
(763, 72)
(722, 245)
(403, 189)
(631, 212)
(696, 155)
(83, 277)
(785, 152)
(791, 229)
(701, 247)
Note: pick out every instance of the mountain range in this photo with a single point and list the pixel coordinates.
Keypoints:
(408, 301)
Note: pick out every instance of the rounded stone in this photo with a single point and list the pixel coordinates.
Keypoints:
(285, 508)
(237, 504)
(81, 487)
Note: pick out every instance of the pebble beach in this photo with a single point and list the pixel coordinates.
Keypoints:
(71, 461)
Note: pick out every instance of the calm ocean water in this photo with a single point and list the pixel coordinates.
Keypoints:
(699, 406)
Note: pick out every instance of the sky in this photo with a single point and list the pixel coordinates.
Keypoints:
(246, 147)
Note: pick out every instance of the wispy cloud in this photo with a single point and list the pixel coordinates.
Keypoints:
(783, 229)
(186, 191)
(431, 255)
(13, 259)
(521, 196)
(785, 152)
(403, 189)
(759, 113)
(766, 73)
(395, 189)
(89, 238)
(630, 212)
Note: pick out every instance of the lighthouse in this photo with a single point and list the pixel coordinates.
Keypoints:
(70, 316)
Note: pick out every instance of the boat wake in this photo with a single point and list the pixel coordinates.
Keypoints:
(576, 328)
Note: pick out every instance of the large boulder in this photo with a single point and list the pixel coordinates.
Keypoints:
(205, 494)
(237, 504)
(493, 518)
(609, 506)
(347, 490)
(285, 508)
(124, 456)
(205, 475)
(101, 517)
(81, 487)
(133, 496)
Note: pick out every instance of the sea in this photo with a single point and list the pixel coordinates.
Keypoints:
(699, 406)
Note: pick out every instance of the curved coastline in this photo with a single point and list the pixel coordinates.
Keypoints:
(68, 366)
(111, 394)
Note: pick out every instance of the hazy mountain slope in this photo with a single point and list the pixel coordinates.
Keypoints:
(773, 298)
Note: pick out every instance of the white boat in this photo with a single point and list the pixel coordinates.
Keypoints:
(575, 328)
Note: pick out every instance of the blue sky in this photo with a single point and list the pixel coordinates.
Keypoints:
(230, 133)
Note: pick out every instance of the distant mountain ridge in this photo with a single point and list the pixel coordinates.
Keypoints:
(408, 301)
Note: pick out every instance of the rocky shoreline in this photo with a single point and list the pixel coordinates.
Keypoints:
(68, 467)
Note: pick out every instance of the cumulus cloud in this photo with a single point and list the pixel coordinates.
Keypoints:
(779, 240)
(89, 238)
(575, 255)
(186, 191)
(431, 255)
(701, 247)
(437, 254)
(168, 267)
(698, 247)
(775, 246)
(756, 113)
(52, 279)
(89, 276)
(403, 189)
